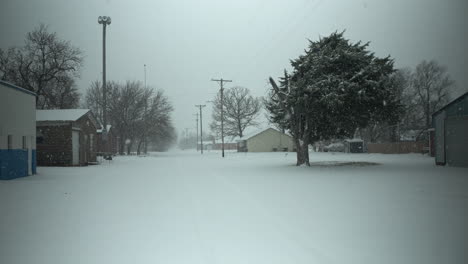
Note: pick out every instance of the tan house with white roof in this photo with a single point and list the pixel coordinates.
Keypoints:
(268, 140)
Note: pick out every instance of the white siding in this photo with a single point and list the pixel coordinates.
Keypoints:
(17, 116)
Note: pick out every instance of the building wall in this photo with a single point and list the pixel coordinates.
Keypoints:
(456, 131)
(17, 119)
(458, 113)
(54, 145)
(269, 140)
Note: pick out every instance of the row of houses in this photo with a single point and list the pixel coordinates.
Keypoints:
(30, 137)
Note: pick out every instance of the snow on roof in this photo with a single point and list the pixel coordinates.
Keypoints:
(354, 140)
(100, 130)
(60, 114)
(253, 134)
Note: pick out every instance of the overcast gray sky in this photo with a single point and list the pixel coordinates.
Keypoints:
(186, 43)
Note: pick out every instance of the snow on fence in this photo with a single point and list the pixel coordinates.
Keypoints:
(396, 148)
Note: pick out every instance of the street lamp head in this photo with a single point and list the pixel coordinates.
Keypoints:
(104, 20)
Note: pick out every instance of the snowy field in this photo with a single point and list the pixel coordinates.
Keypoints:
(182, 207)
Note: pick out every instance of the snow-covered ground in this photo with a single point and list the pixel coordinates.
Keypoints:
(182, 207)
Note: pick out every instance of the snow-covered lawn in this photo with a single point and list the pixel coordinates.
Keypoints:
(182, 207)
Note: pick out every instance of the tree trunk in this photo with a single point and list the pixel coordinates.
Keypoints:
(121, 145)
(302, 151)
(139, 147)
(129, 147)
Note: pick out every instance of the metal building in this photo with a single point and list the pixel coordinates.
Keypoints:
(17, 131)
(451, 133)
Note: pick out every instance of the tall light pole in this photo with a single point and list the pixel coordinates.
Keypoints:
(104, 20)
(221, 81)
(201, 126)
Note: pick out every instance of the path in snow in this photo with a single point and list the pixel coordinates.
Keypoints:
(248, 208)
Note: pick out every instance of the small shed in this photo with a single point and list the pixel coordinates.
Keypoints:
(66, 137)
(354, 145)
(17, 131)
(450, 125)
(267, 140)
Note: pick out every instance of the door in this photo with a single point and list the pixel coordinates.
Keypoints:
(75, 147)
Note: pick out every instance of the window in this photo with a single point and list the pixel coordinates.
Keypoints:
(10, 141)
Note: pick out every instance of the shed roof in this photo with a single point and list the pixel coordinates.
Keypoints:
(461, 97)
(12, 86)
(60, 114)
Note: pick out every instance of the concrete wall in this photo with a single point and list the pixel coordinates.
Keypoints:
(269, 140)
(17, 119)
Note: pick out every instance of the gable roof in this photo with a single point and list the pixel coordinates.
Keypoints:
(60, 114)
(12, 86)
(461, 97)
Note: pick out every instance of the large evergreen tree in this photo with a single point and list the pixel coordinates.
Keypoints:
(334, 88)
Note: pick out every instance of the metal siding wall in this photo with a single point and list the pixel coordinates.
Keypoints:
(456, 145)
(13, 164)
(439, 138)
(17, 118)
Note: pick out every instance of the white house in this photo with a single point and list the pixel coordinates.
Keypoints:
(268, 140)
(17, 131)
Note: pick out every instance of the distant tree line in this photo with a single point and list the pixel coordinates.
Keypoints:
(421, 92)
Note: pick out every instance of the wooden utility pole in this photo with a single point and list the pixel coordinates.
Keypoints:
(221, 81)
(196, 124)
(201, 127)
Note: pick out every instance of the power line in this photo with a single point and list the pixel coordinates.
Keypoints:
(221, 81)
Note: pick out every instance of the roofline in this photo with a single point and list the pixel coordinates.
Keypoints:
(93, 119)
(451, 103)
(261, 132)
(10, 85)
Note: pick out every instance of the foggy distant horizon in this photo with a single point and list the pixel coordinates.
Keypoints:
(187, 43)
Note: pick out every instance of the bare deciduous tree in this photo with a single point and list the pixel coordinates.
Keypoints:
(42, 63)
(240, 111)
(431, 86)
(140, 116)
